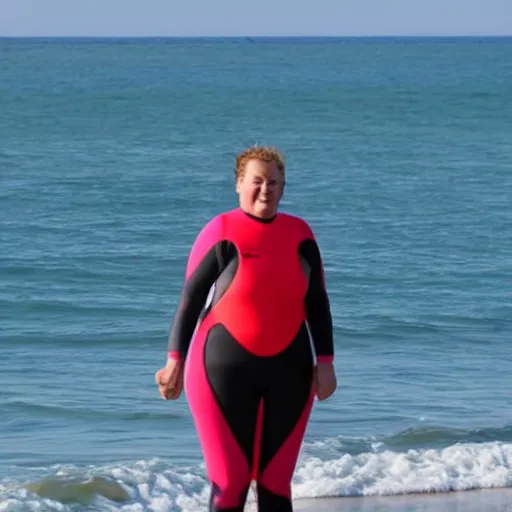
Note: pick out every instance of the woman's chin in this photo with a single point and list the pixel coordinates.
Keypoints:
(265, 210)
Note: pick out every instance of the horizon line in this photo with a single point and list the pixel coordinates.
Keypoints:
(249, 36)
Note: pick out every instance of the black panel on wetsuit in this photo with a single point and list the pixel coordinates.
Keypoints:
(267, 500)
(193, 297)
(227, 257)
(318, 311)
(240, 379)
(288, 386)
(236, 382)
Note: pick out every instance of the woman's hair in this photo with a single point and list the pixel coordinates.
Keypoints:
(263, 153)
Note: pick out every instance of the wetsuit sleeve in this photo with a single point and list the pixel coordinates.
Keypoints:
(318, 310)
(203, 268)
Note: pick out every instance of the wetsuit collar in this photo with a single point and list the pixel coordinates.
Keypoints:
(259, 219)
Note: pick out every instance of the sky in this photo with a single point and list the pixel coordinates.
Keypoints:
(251, 18)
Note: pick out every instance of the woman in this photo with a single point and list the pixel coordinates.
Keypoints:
(250, 375)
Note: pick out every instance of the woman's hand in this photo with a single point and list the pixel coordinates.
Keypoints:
(325, 380)
(170, 380)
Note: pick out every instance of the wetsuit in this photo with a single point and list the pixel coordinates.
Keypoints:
(249, 368)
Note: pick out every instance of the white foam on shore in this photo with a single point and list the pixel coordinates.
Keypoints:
(158, 487)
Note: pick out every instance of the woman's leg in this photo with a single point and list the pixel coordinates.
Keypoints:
(287, 403)
(222, 390)
(286, 410)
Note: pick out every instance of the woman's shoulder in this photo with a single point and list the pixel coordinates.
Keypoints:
(212, 227)
(297, 222)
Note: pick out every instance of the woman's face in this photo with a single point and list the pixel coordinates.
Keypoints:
(260, 188)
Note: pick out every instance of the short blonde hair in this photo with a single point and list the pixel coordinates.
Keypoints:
(263, 153)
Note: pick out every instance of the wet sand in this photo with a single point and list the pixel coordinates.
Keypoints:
(487, 500)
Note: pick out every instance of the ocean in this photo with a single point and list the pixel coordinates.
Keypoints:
(113, 155)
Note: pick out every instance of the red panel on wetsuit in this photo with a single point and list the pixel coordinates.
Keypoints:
(263, 307)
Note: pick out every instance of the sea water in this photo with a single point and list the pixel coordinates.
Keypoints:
(115, 152)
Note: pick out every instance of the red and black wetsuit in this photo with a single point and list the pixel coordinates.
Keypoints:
(249, 368)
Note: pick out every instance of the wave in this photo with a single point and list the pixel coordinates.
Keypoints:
(72, 412)
(447, 436)
(76, 490)
(424, 438)
(160, 485)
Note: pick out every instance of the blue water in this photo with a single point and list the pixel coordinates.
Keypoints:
(114, 153)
